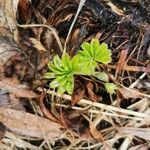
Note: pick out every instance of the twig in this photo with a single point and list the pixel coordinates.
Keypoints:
(99, 105)
(100, 112)
(136, 82)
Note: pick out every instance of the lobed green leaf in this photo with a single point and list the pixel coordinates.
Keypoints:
(104, 54)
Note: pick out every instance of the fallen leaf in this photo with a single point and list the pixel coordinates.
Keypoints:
(139, 147)
(94, 132)
(13, 86)
(8, 30)
(91, 94)
(8, 11)
(7, 49)
(37, 44)
(4, 98)
(24, 9)
(121, 62)
(26, 124)
(2, 130)
(143, 133)
(74, 120)
(78, 93)
(133, 93)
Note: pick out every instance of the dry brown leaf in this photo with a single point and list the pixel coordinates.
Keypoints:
(8, 29)
(8, 15)
(94, 132)
(4, 98)
(139, 147)
(143, 133)
(91, 94)
(37, 44)
(26, 124)
(133, 93)
(23, 9)
(10, 100)
(121, 62)
(13, 86)
(78, 93)
(2, 130)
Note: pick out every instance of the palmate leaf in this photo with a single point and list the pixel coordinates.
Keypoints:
(61, 66)
(103, 55)
(62, 71)
(70, 85)
(87, 49)
(66, 83)
(50, 75)
(55, 69)
(57, 61)
(61, 89)
(95, 51)
(66, 61)
(54, 84)
(83, 65)
(88, 67)
(96, 47)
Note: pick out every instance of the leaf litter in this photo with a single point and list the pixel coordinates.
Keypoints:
(44, 28)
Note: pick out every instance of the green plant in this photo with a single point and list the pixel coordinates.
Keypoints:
(84, 62)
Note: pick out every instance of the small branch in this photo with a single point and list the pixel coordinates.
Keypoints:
(100, 112)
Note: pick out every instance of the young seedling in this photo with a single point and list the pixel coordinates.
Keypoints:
(84, 62)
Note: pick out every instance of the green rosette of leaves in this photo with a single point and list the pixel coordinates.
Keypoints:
(83, 63)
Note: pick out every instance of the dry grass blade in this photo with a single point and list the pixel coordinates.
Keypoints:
(131, 68)
(99, 105)
(115, 115)
(73, 22)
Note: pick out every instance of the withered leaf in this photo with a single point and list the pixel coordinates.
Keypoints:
(2, 130)
(4, 98)
(26, 124)
(37, 44)
(93, 131)
(78, 93)
(91, 94)
(129, 93)
(143, 133)
(13, 86)
(121, 62)
(139, 147)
